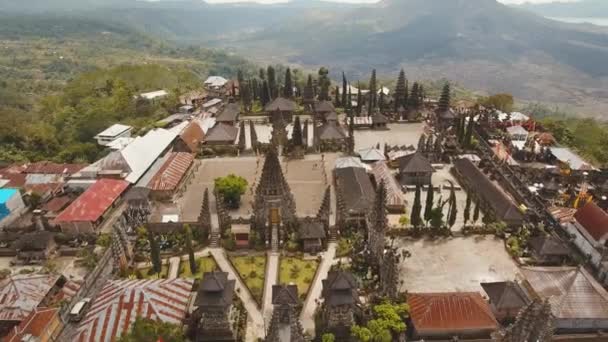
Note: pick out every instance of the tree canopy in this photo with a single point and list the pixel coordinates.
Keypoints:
(231, 187)
(144, 329)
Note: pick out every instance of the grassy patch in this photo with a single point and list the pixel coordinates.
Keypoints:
(147, 272)
(206, 264)
(299, 272)
(252, 269)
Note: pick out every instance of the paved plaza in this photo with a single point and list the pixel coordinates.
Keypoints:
(398, 134)
(454, 264)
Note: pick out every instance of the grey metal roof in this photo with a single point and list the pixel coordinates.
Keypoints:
(222, 132)
(415, 163)
(355, 188)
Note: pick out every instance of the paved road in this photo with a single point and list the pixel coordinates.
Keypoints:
(255, 316)
(272, 277)
(314, 294)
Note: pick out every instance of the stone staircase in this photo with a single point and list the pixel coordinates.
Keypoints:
(214, 239)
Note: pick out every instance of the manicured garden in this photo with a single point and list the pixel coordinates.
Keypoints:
(148, 273)
(252, 270)
(205, 264)
(299, 272)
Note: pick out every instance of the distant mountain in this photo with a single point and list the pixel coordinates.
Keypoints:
(582, 8)
(479, 43)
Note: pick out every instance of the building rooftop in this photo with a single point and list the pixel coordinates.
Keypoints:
(548, 245)
(394, 194)
(450, 312)
(312, 229)
(594, 220)
(34, 325)
(516, 130)
(340, 288)
(20, 294)
(215, 81)
(285, 295)
(355, 188)
(506, 295)
(565, 155)
(371, 154)
(171, 173)
(230, 113)
(281, 104)
(143, 152)
(222, 133)
(215, 290)
(415, 163)
(50, 168)
(324, 107)
(154, 94)
(114, 130)
(94, 202)
(331, 131)
(121, 301)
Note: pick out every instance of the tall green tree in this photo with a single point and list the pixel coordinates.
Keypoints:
(309, 92)
(288, 89)
(373, 99)
(414, 97)
(400, 92)
(359, 99)
(337, 97)
(453, 208)
(265, 95)
(273, 86)
(476, 211)
(262, 74)
(430, 202)
(296, 135)
(239, 77)
(246, 96)
(344, 90)
(415, 218)
(444, 99)
(468, 138)
(388, 321)
(466, 215)
(145, 329)
(231, 187)
(324, 84)
(188, 240)
(157, 265)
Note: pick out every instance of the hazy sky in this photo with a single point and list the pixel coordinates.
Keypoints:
(372, 1)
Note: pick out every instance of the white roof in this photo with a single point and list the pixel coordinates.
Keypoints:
(212, 103)
(170, 218)
(154, 94)
(120, 143)
(384, 90)
(345, 162)
(371, 154)
(516, 130)
(565, 155)
(206, 124)
(3, 182)
(215, 81)
(515, 116)
(352, 89)
(179, 128)
(143, 151)
(114, 130)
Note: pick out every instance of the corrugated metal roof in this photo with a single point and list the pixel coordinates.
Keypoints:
(120, 302)
(594, 220)
(172, 172)
(94, 202)
(394, 194)
(450, 311)
(142, 152)
(572, 291)
(50, 168)
(35, 325)
(371, 154)
(21, 293)
(575, 162)
(114, 130)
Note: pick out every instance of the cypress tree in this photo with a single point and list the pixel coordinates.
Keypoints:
(429, 144)
(305, 133)
(344, 90)
(296, 135)
(242, 139)
(400, 96)
(349, 100)
(444, 100)
(453, 212)
(381, 101)
(466, 215)
(154, 254)
(255, 89)
(420, 95)
(190, 249)
(337, 97)
(421, 144)
(239, 77)
(254, 137)
(245, 93)
(414, 97)
(324, 84)
(308, 91)
(476, 211)
(406, 94)
(359, 99)
(373, 100)
(265, 98)
(415, 218)
(288, 89)
(428, 207)
(205, 218)
(273, 87)
(262, 74)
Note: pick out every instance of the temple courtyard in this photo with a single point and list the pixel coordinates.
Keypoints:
(454, 264)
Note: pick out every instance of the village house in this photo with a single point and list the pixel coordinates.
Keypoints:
(547, 249)
(153, 95)
(312, 234)
(462, 315)
(230, 114)
(35, 248)
(112, 133)
(170, 175)
(281, 108)
(215, 82)
(222, 134)
(212, 317)
(85, 214)
(371, 155)
(578, 302)
(355, 195)
(506, 299)
(121, 301)
(493, 200)
(322, 108)
(21, 294)
(589, 227)
(415, 169)
(330, 137)
(41, 325)
(190, 138)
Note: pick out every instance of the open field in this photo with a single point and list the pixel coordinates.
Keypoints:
(251, 270)
(298, 272)
(205, 264)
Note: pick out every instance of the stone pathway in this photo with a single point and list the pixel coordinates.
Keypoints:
(254, 314)
(271, 279)
(314, 294)
(173, 267)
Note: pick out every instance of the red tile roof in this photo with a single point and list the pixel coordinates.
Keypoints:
(46, 167)
(121, 301)
(94, 202)
(172, 172)
(35, 324)
(16, 180)
(593, 219)
(192, 136)
(455, 311)
(57, 204)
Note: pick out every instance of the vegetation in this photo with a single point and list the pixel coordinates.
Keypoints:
(503, 102)
(150, 273)
(145, 329)
(252, 270)
(188, 240)
(231, 187)
(388, 321)
(205, 264)
(415, 217)
(154, 253)
(299, 272)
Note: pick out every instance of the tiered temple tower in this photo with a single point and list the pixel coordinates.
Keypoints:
(274, 208)
(285, 323)
(533, 323)
(211, 318)
(377, 224)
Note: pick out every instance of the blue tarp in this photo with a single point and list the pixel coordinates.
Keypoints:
(5, 195)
